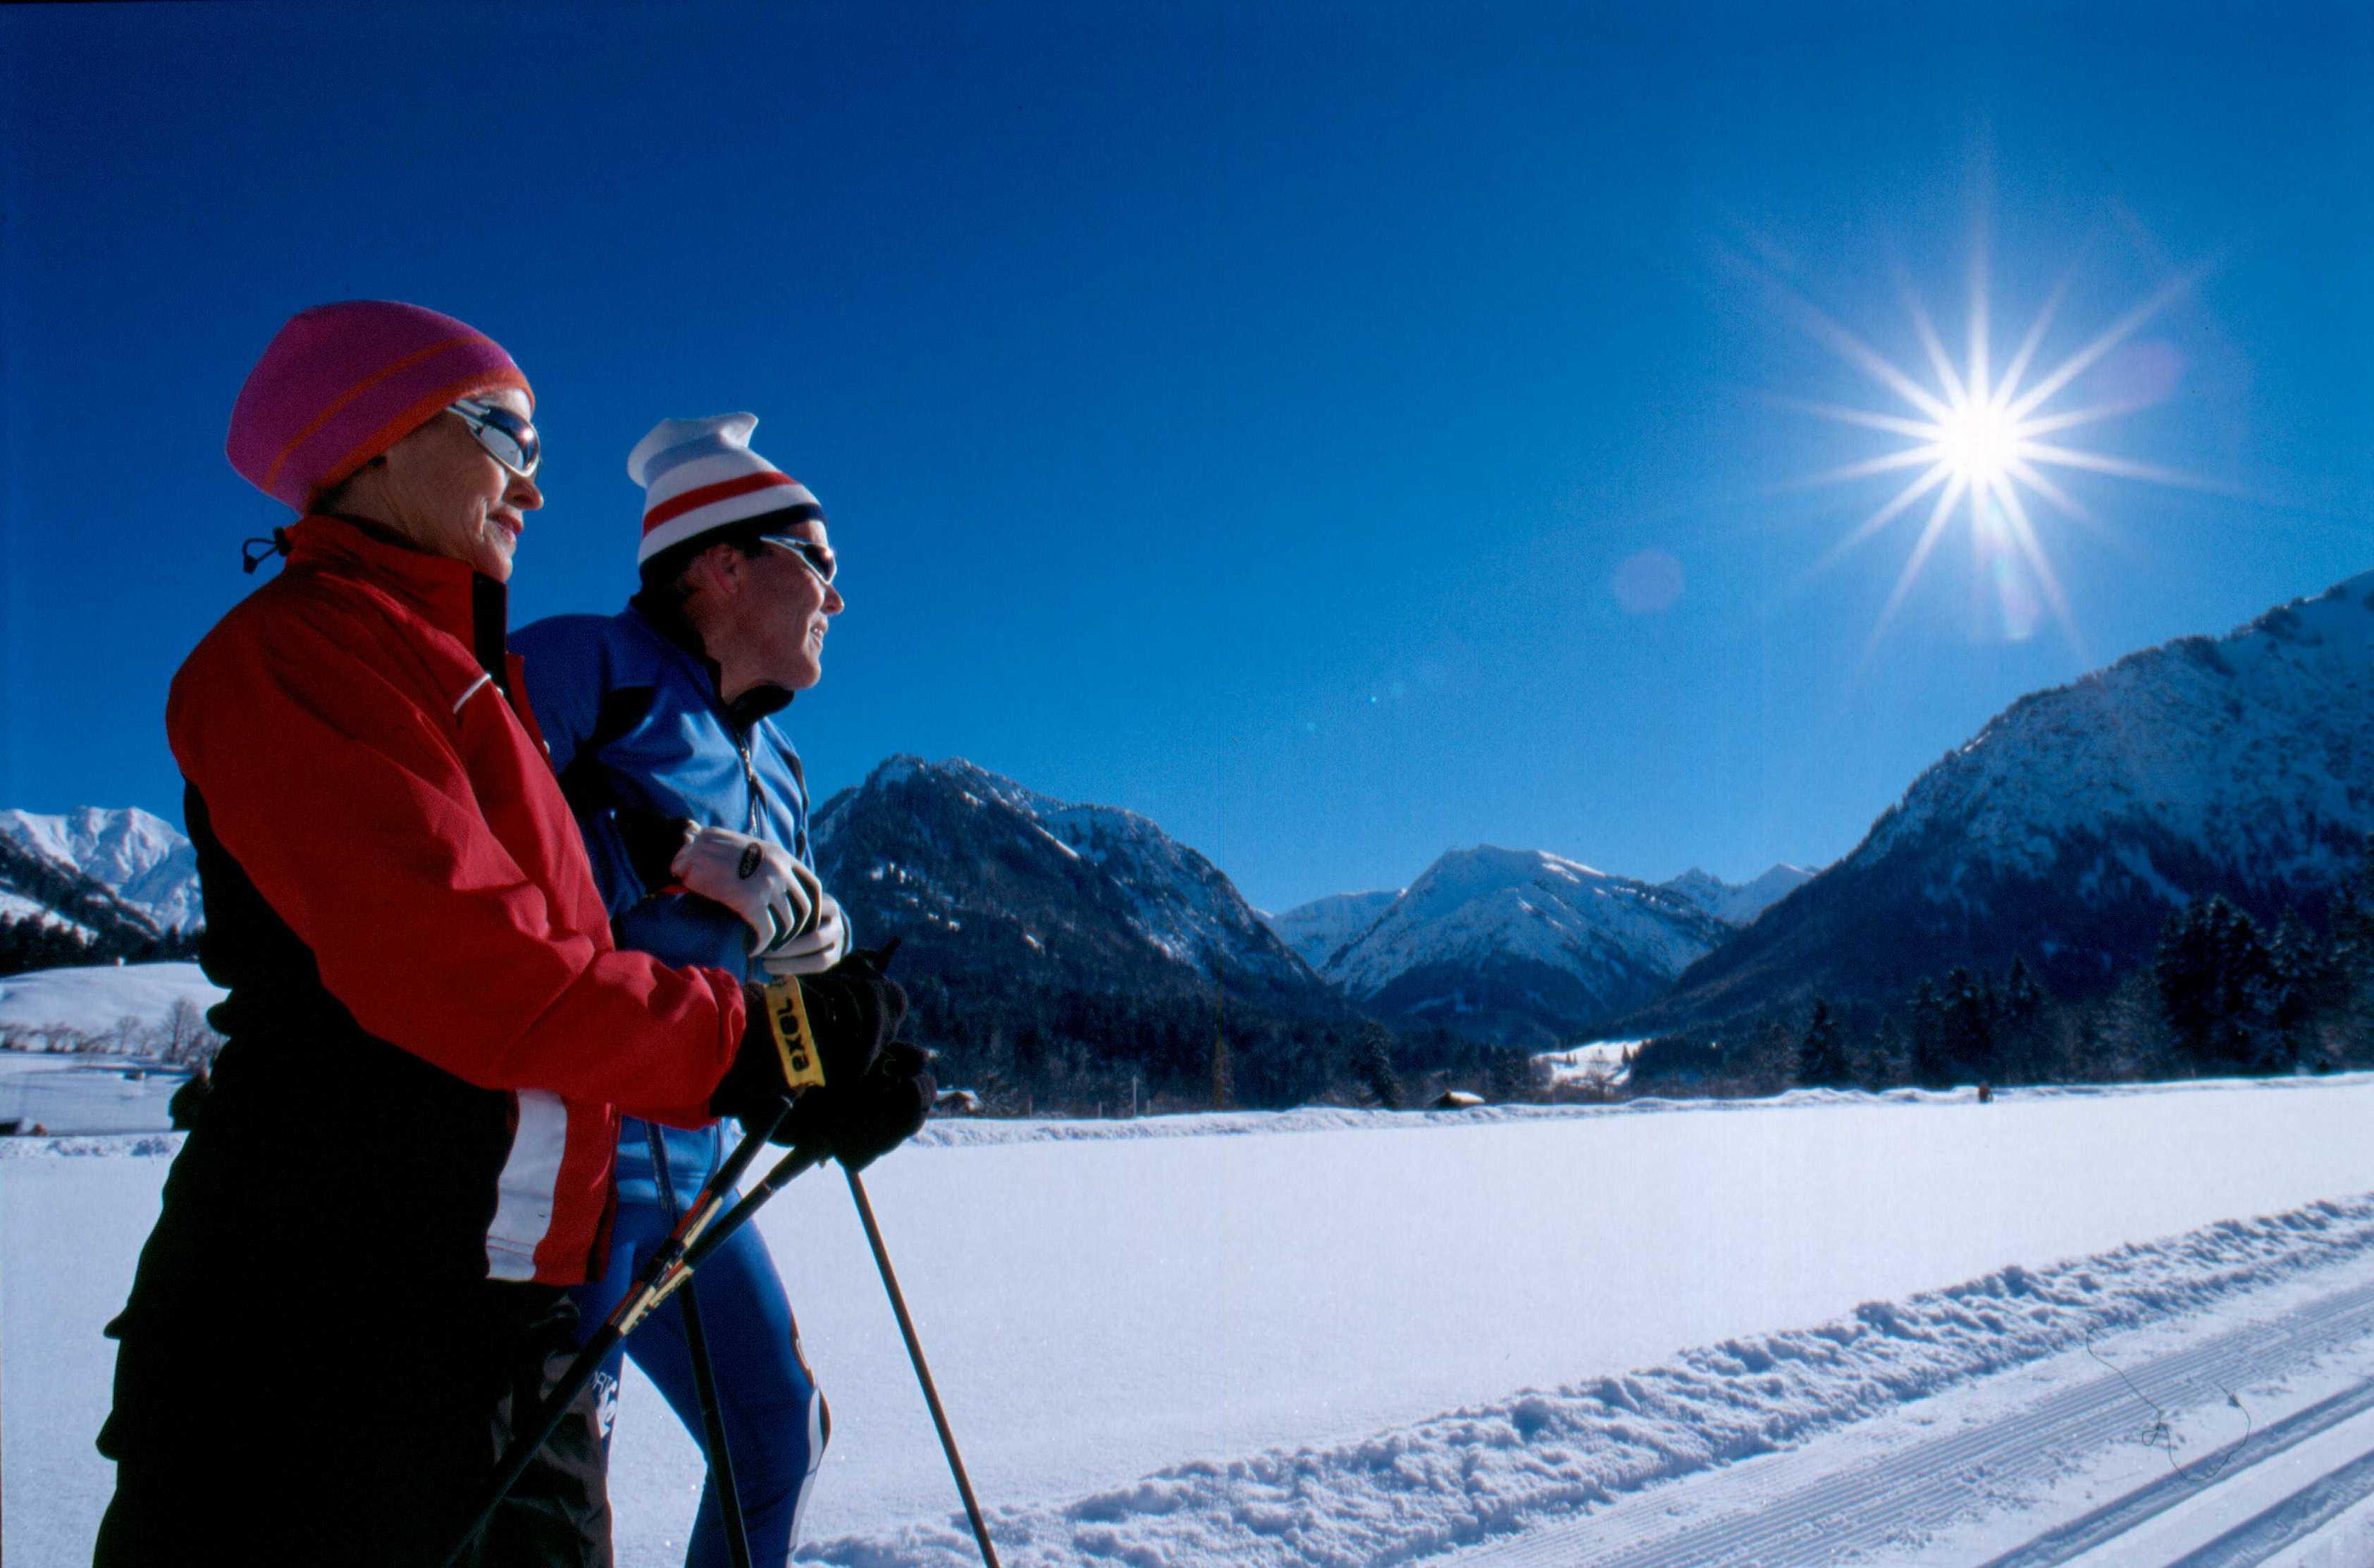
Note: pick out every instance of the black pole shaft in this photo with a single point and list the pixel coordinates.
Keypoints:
(704, 1378)
(677, 1256)
(923, 1372)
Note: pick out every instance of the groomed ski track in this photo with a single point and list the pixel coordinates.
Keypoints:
(1774, 1512)
(2127, 1372)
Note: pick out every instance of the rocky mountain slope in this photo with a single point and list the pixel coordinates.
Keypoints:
(2067, 829)
(1035, 931)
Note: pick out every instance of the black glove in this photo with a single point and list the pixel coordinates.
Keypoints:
(652, 842)
(853, 1010)
(860, 1122)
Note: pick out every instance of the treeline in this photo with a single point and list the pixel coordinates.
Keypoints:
(1030, 1049)
(2222, 995)
(28, 944)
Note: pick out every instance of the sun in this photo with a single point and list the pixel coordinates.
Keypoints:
(1979, 436)
(1979, 441)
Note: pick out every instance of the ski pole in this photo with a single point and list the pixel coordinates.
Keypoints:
(923, 1372)
(704, 1377)
(695, 1237)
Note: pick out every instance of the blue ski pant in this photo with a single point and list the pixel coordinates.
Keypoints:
(776, 1422)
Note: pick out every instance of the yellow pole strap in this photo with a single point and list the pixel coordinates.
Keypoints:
(787, 1013)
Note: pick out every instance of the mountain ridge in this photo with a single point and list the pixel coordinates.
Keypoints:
(2067, 829)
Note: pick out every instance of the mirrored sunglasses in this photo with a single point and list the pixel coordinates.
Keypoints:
(817, 558)
(508, 437)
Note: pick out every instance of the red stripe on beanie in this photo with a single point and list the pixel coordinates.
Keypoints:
(725, 490)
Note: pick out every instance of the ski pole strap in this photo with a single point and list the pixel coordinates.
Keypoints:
(787, 1014)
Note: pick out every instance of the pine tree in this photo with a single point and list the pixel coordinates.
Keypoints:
(1822, 1052)
(1509, 1077)
(2303, 985)
(2020, 1026)
(1773, 1060)
(1372, 1062)
(1967, 1025)
(1224, 1072)
(1929, 1067)
(2217, 987)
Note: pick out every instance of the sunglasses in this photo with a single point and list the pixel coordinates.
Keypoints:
(817, 558)
(508, 437)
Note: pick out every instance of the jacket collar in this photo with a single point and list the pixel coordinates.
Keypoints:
(447, 594)
(744, 711)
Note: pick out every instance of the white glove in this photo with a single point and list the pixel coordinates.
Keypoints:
(816, 949)
(775, 895)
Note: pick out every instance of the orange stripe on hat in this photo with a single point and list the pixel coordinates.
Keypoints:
(411, 420)
(326, 415)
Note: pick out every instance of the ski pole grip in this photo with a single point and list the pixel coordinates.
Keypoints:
(787, 1016)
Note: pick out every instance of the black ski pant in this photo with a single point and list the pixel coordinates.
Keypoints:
(285, 1429)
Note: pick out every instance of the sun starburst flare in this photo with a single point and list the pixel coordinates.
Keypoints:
(1978, 442)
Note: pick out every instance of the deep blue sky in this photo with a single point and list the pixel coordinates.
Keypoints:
(1243, 414)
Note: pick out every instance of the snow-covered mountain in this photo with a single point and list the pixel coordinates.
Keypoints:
(1315, 930)
(1739, 902)
(1033, 926)
(2066, 831)
(1044, 873)
(1522, 946)
(138, 856)
(47, 891)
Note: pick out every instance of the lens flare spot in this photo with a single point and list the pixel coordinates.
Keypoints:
(1648, 583)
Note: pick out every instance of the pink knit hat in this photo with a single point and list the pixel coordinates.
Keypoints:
(341, 384)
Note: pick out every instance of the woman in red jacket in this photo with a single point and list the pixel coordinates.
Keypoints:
(356, 1281)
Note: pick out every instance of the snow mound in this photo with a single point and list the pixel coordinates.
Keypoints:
(1490, 1469)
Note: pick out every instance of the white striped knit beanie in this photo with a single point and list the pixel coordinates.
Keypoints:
(699, 475)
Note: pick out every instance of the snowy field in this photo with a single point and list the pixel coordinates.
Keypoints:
(95, 999)
(1655, 1333)
(75, 1093)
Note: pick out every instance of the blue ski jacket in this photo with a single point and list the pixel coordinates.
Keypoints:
(635, 724)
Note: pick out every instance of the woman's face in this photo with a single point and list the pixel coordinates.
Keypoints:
(447, 494)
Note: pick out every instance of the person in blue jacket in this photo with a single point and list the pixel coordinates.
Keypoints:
(663, 726)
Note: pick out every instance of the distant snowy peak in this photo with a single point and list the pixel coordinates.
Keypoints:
(1739, 902)
(1522, 944)
(138, 856)
(1315, 930)
(942, 846)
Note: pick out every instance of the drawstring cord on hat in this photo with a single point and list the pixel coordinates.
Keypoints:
(251, 555)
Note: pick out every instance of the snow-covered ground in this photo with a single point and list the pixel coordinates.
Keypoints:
(1671, 1333)
(73, 1094)
(93, 1000)
(1600, 1063)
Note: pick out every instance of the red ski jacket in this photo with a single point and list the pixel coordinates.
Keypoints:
(369, 793)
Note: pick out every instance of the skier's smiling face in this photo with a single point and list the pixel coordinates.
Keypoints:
(768, 612)
(446, 494)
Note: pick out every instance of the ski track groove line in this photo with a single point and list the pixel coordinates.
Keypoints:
(2072, 1540)
(2285, 1523)
(1928, 1485)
